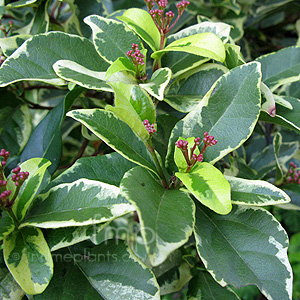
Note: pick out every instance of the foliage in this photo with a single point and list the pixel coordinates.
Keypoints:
(150, 150)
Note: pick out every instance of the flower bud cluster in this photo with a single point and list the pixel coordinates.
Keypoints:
(5, 155)
(19, 177)
(135, 55)
(192, 158)
(150, 127)
(6, 29)
(161, 19)
(293, 175)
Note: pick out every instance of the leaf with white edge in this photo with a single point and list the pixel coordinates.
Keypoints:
(293, 190)
(158, 82)
(12, 43)
(180, 62)
(235, 92)
(255, 192)
(74, 72)
(9, 289)
(166, 216)
(186, 91)
(281, 101)
(268, 6)
(280, 67)
(209, 186)
(112, 38)
(205, 44)
(28, 259)
(203, 286)
(233, 56)
(269, 105)
(277, 142)
(82, 202)
(67, 236)
(141, 22)
(20, 3)
(35, 58)
(6, 224)
(36, 168)
(116, 134)
(121, 64)
(260, 259)
(68, 282)
(110, 277)
(109, 168)
(265, 161)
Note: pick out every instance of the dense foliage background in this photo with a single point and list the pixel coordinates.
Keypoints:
(33, 124)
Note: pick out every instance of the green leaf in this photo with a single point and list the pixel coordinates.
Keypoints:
(167, 216)
(35, 58)
(277, 142)
(12, 43)
(17, 126)
(36, 168)
(6, 225)
(112, 39)
(203, 286)
(247, 246)
(109, 275)
(233, 56)
(270, 5)
(255, 192)
(209, 186)
(219, 113)
(109, 168)
(68, 281)
(46, 141)
(141, 22)
(186, 91)
(9, 289)
(280, 67)
(202, 44)
(71, 71)
(20, 3)
(265, 161)
(159, 81)
(63, 237)
(116, 134)
(79, 203)
(41, 20)
(121, 64)
(180, 62)
(28, 259)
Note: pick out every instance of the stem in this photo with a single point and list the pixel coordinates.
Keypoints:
(12, 215)
(150, 148)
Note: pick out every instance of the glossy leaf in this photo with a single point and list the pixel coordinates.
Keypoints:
(46, 141)
(82, 202)
(209, 186)
(21, 3)
(112, 39)
(9, 289)
(121, 64)
(202, 44)
(35, 58)
(203, 286)
(159, 81)
(116, 134)
(255, 192)
(185, 93)
(7, 225)
(10, 44)
(36, 168)
(167, 216)
(71, 71)
(280, 67)
(28, 259)
(68, 281)
(108, 168)
(110, 276)
(235, 92)
(260, 259)
(67, 236)
(141, 22)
